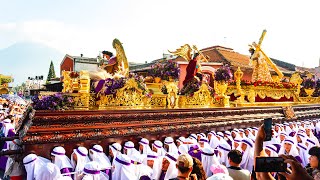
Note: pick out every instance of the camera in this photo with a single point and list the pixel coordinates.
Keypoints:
(270, 164)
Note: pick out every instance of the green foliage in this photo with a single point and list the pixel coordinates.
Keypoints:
(51, 73)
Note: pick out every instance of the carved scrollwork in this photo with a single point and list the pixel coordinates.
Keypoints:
(201, 98)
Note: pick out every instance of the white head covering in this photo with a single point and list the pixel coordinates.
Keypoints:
(248, 155)
(193, 137)
(159, 146)
(129, 146)
(82, 159)
(208, 158)
(172, 171)
(311, 143)
(97, 154)
(237, 140)
(7, 125)
(140, 168)
(181, 139)
(154, 157)
(61, 160)
(49, 171)
(92, 172)
(145, 144)
(293, 151)
(32, 165)
(214, 141)
(303, 153)
(116, 149)
(272, 149)
(205, 142)
(183, 149)
(228, 135)
(224, 149)
(172, 146)
(124, 170)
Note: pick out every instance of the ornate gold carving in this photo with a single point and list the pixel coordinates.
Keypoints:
(67, 82)
(296, 80)
(84, 82)
(309, 92)
(238, 76)
(201, 98)
(289, 112)
(129, 95)
(172, 97)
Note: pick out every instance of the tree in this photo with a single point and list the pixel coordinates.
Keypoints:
(51, 73)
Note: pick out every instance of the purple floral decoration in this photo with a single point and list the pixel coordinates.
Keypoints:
(223, 74)
(309, 83)
(57, 101)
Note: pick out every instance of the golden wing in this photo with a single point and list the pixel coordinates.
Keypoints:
(184, 51)
(121, 56)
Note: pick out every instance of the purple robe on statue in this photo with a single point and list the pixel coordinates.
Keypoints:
(4, 159)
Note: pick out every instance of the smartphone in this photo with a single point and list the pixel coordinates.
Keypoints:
(268, 128)
(270, 164)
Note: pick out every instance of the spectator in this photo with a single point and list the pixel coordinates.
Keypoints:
(298, 172)
(235, 171)
(198, 169)
(184, 166)
(314, 160)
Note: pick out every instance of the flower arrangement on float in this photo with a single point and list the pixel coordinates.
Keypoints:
(309, 85)
(113, 84)
(56, 101)
(222, 76)
(165, 70)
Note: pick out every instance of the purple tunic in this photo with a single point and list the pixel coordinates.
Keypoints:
(66, 171)
(4, 159)
(162, 175)
(298, 158)
(196, 153)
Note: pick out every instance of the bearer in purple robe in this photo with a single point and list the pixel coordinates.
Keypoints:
(289, 148)
(7, 131)
(195, 151)
(59, 158)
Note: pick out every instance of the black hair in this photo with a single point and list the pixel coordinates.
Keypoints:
(235, 156)
(107, 53)
(9, 117)
(315, 151)
(195, 55)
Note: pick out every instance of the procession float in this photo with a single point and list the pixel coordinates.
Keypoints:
(113, 104)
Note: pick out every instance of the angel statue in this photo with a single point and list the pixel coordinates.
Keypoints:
(111, 67)
(193, 70)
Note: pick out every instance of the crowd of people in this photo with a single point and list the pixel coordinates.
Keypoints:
(210, 155)
(215, 155)
(10, 113)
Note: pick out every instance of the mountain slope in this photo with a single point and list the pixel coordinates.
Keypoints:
(28, 59)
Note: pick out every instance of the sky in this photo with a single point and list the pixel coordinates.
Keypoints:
(148, 28)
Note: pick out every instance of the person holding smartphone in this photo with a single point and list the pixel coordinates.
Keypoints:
(297, 172)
